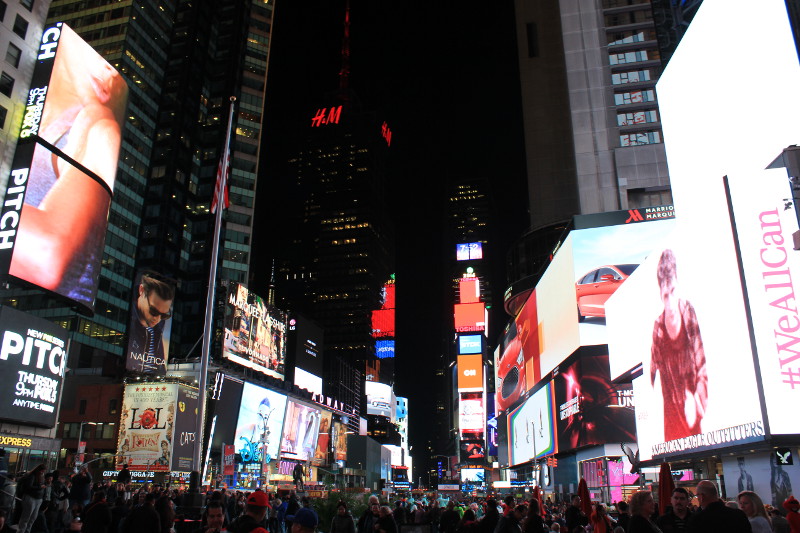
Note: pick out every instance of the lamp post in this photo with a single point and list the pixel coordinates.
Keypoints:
(81, 444)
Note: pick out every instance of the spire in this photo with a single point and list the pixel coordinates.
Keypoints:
(344, 74)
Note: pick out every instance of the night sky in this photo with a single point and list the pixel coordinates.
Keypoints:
(444, 76)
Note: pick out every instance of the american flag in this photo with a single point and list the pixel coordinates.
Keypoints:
(224, 169)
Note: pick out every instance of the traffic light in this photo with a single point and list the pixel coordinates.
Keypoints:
(552, 461)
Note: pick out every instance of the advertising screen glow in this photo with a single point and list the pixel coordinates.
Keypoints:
(470, 372)
(56, 205)
(255, 333)
(300, 430)
(147, 426)
(33, 356)
(469, 250)
(260, 421)
(379, 398)
(470, 317)
(470, 344)
(150, 324)
(531, 433)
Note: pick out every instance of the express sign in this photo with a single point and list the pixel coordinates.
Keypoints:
(33, 354)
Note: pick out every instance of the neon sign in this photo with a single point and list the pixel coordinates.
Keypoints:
(387, 134)
(326, 116)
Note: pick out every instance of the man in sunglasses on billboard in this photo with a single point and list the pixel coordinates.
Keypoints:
(152, 308)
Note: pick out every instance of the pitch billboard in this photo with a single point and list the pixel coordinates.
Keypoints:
(255, 333)
(150, 324)
(300, 429)
(54, 217)
(260, 423)
(33, 356)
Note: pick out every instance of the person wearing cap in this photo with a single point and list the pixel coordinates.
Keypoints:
(305, 520)
(254, 517)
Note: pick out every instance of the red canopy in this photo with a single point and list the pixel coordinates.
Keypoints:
(665, 487)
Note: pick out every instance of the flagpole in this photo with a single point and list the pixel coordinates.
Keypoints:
(208, 327)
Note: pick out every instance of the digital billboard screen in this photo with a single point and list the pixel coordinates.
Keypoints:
(184, 438)
(150, 324)
(470, 344)
(55, 213)
(470, 317)
(255, 333)
(225, 398)
(517, 368)
(695, 363)
(300, 430)
(472, 451)
(33, 356)
(471, 416)
(307, 338)
(591, 410)
(470, 372)
(260, 419)
(469, 250)
(147, 426)
(379, 398)
(384, 349)
(339, 441)
(531, 431)
(323, 438)
(383, 323)
(469, 290)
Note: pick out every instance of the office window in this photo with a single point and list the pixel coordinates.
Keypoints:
(3, 114)
(6, 84)
(112, 406)
(20, 26)
(27, 4)
(13, 55)
(533, 39)
(2, 10)
(637, 117)
(82, 407)
(637, 139)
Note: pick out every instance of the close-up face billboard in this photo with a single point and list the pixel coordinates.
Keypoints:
(260, 421)
(150, 324)
(33, 356)
(53, 221)
(255, 333)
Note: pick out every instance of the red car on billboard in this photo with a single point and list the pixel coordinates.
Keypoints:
(594, 288)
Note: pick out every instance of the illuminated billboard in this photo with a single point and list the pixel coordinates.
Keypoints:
(517, 360)
(531, 431)
(255, 333)
(471, 416)
(470, 372)
(469, 250)
(472, 451)
(54, 217)
(470, 317)
(470, 344)
(339, 441)
(33, 356)
(590, 409)
(771, 268)
(323, 438)
(225, 398)
(384, 349)
(379, 398)
(260, 419)
(185, 433)
(306, 340)
(146, 426)
(150, 324)
(469, 290)
(383, 323)
(300, 430)
(683, 396)
(774, 474)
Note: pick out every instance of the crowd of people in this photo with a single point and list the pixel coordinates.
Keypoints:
(51, 502)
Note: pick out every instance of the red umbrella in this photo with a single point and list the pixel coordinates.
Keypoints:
(586, 500)
(665, 487)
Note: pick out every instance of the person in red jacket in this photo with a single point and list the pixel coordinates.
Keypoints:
(792, 507)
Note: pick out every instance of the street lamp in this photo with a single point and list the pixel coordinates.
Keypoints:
(82, 447)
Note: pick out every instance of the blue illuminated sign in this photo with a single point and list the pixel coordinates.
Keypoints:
(468, 344)
(384, 349)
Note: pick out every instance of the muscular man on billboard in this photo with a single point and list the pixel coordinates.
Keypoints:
(63, 221)
(678, 359)
(150, 311)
